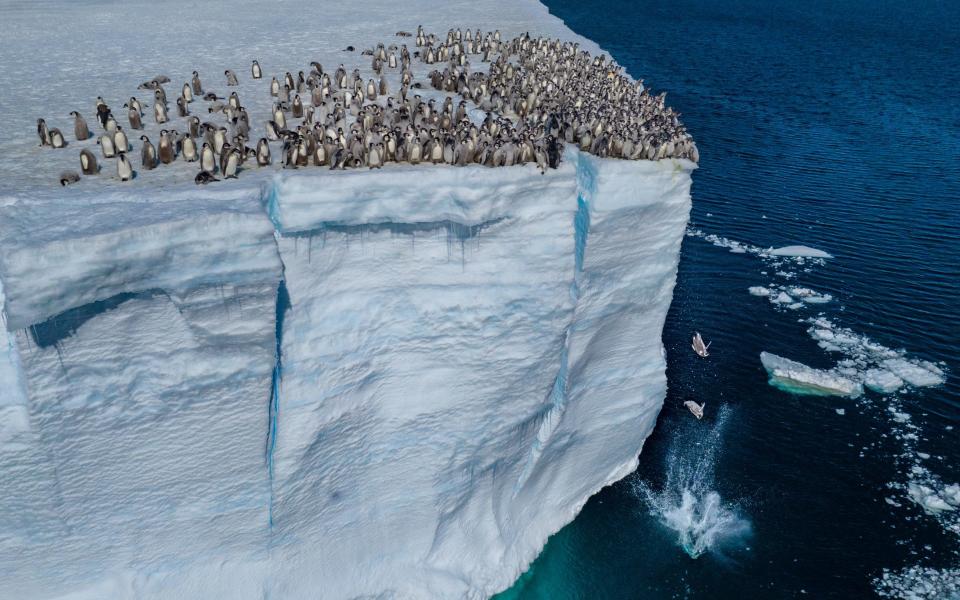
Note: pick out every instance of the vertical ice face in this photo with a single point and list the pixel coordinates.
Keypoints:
(466, 360)
(143, 353)
(355, 384)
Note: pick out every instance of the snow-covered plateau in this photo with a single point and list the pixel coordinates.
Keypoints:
(308, 384)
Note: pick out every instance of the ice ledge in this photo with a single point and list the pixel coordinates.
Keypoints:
(88, 249)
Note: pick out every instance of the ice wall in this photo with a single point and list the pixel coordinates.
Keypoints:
(356, 384)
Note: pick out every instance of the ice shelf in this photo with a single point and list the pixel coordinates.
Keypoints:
(306, 384)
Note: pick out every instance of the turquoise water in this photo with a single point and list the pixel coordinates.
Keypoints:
(830, 124)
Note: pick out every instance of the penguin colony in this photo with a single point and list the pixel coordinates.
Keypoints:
(536, 93)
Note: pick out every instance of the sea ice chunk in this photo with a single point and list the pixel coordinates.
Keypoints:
(802, 251)
(799, 378)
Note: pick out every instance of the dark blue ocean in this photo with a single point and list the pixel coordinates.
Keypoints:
(833, 124)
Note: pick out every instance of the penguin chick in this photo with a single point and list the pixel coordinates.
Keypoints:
(204, 177)
(68, 177)
(88, 162)
(80, 129)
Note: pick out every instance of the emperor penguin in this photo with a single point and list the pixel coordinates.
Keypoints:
(80, 129)
(182, 107)
(133, 115)
(232, 164)
(194, 125)
(106, 146)
(231, 78)
(195, 83)
(148, 154)
(278, 117)
(120, 141)
(189, 149)
(68, 177)
(111, 124)
(274, 87)
(166, 151)
(296, 109)
(263, 152)
(88, 162)
(204, 177)
(207, 160)
(219, 139)
(124, 168)
(43, 132)
(255, 70)
(160, 113)
(187, 93)
(56, 138)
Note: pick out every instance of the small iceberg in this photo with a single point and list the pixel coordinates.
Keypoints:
(798, 378)
(799, 251)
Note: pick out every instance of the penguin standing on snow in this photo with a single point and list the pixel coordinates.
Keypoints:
(255, 70)
(231, 78)
(263, 152)
(56, 138)
(88, 162)
(148, 154)
(80, 129)
(124, 168)
(43, 132)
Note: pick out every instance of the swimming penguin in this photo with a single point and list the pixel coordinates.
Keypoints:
(80, 129)
(120, 141)
(208, 161)
(204, 177)
(188, 149)
(195, 84)
(263, 152)
(124, 168)
(43, 132)
(88, 162)
(231, 78)
(68, 177)
(232, 164)
(56, 138)
(255, 70)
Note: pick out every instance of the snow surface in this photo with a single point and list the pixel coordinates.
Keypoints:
(464, 355)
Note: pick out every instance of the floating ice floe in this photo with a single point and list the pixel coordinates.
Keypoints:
(934, 501)
(792, 376)
(880, 368)
(919, 583)
(799, 251)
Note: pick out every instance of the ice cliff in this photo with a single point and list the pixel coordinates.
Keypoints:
(376, 384)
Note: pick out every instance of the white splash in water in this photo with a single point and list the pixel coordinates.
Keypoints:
(688, 504)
